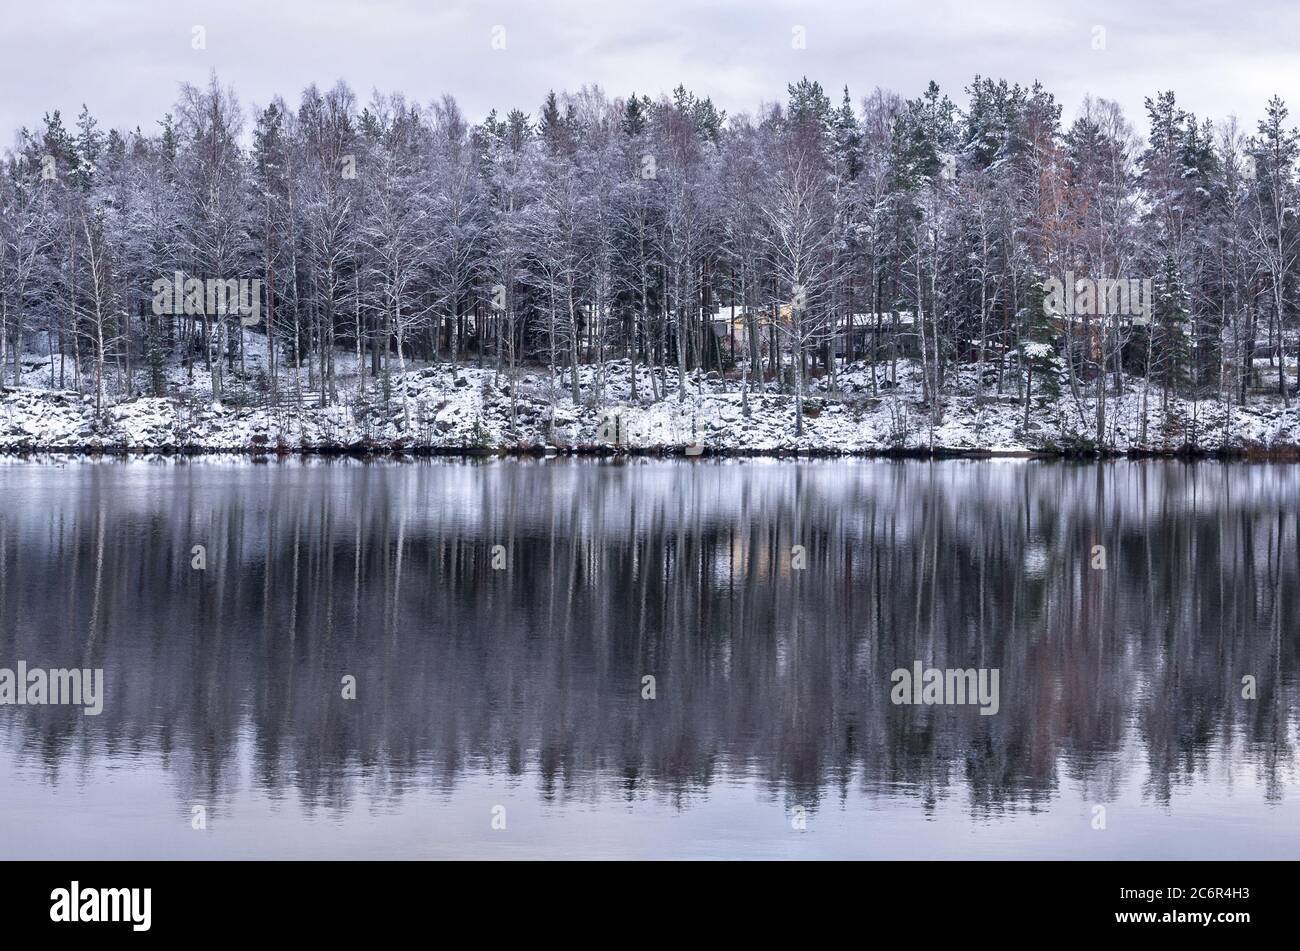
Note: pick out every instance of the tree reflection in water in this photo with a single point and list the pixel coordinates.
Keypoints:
(679, 570)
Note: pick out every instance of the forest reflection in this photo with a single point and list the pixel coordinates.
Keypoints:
(677, 570)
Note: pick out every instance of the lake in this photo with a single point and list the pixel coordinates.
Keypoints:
(453, 658)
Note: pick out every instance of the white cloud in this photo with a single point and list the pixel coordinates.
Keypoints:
(125, 59)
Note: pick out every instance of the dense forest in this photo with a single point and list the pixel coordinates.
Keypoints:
(769, 249)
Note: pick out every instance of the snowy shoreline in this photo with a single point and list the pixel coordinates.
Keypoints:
(470, 410)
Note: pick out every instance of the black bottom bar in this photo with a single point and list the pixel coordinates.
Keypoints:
(980, 901)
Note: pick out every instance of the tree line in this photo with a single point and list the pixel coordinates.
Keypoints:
(771, 248)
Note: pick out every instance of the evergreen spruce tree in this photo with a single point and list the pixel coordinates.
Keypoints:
(154, 355)
(1038, 350)
(1171, 350)
(636, 112)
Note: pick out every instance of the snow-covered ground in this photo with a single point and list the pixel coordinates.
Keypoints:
(434, 408)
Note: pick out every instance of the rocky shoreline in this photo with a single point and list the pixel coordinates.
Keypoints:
(471, 411)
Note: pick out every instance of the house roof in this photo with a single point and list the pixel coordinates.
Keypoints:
(735, 313)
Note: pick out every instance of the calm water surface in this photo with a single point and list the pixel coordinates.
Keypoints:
(522, 687)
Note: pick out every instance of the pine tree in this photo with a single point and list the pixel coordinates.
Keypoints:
(847, 138)
(89, 144)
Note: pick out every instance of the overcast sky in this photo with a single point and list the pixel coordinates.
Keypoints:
(125, 58)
